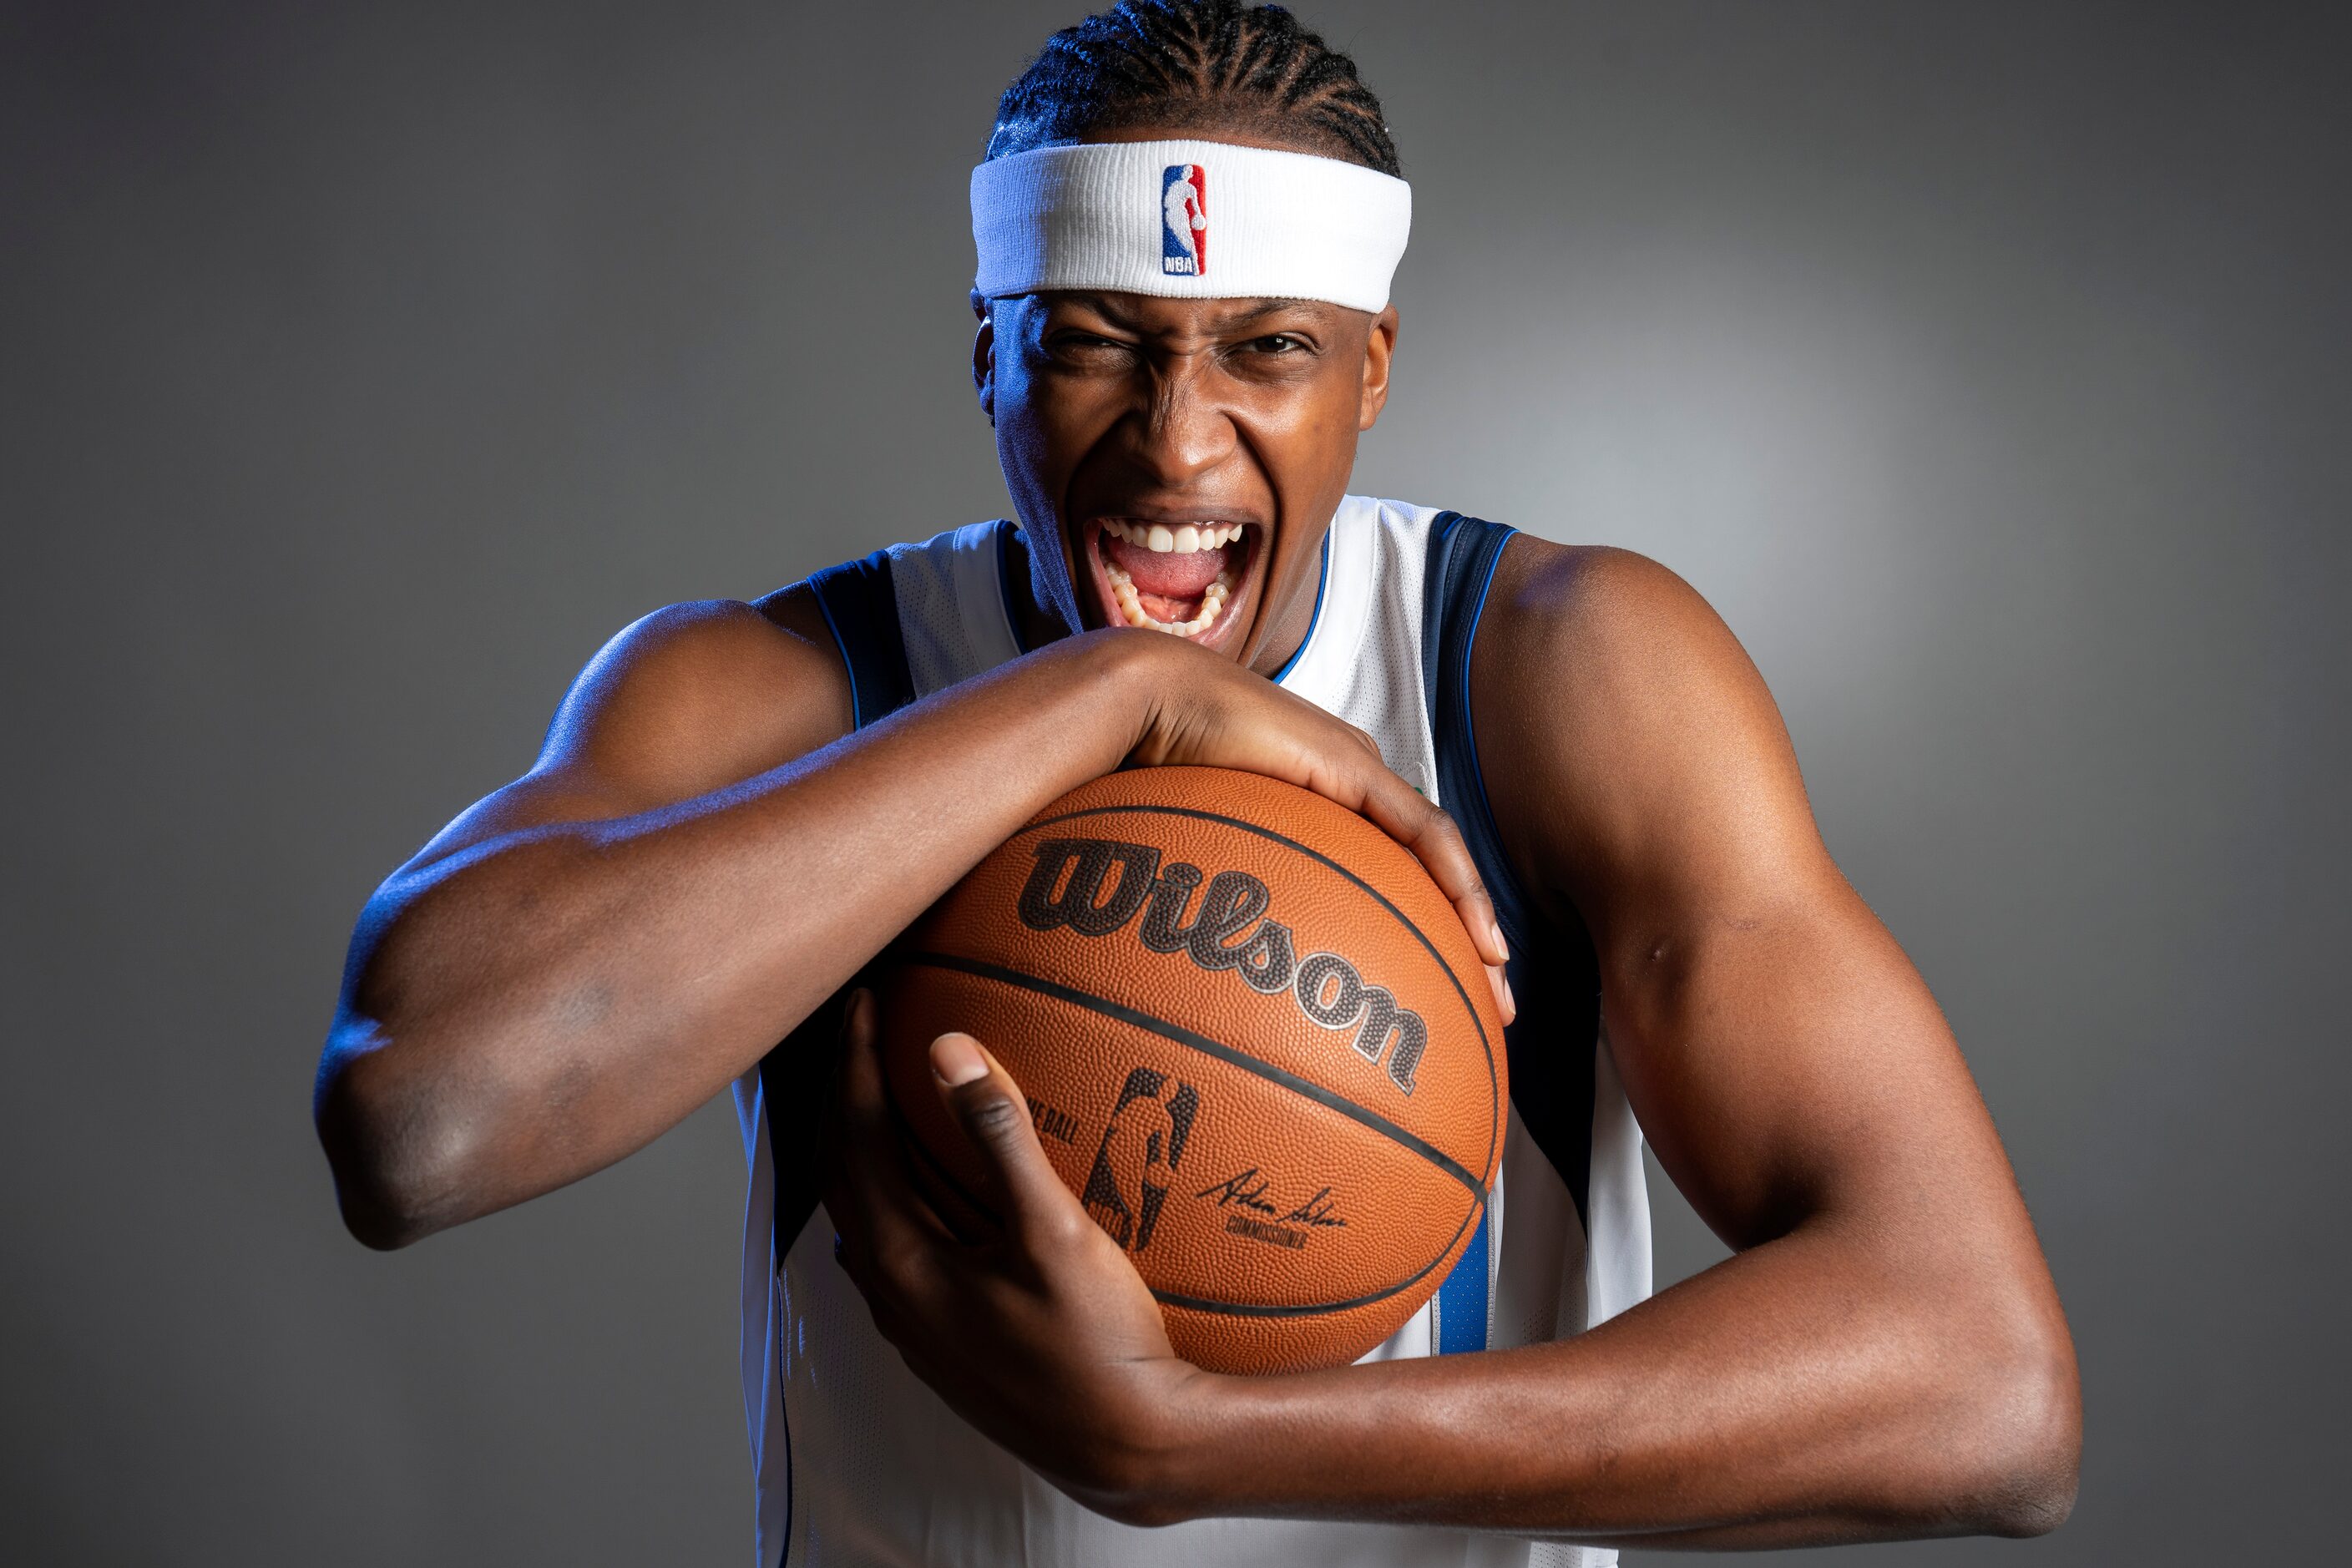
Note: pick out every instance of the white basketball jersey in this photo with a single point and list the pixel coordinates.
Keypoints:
(859, 1463)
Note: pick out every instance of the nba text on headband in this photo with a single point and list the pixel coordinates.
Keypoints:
(1191, 219)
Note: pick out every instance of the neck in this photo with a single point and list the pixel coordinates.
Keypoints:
(1289, 623)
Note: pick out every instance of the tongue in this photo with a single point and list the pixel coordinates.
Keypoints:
(1164, 572)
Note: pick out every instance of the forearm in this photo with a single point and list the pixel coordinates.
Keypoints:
(537, 1005)
(1800, 1393)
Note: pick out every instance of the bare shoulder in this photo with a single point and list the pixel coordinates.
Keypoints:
(698, 695)
(688, 699)
(1602, 610)
(1620, 721)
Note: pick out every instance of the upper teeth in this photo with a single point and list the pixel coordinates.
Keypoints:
(1182, 540)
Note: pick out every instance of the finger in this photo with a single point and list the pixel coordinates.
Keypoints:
(1401, 812)
(989, 1106)
(1505, 1003)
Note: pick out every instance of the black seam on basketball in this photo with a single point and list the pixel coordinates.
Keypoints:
(1233, 1055)
(1250, 1310)
(1401, 918)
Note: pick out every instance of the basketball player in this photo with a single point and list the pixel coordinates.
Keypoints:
(738, 805)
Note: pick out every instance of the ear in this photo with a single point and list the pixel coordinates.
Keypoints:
(983, 356)
(1380, 350)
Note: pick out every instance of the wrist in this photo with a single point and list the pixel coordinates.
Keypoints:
(1174, 697)
(1228, 1446)
(1278, 1446)
(1083, 695)
(1186, 1424)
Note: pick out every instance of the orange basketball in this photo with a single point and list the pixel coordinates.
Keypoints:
(1256, 1040)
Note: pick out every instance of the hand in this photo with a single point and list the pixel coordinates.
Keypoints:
(1041, 1334)
(1205, 709)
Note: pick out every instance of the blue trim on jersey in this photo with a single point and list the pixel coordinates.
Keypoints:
(1470, 715)
(1554, 971)
(1462, 1300)
(1314, 620)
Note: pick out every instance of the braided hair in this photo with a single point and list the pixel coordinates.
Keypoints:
(1194, 65)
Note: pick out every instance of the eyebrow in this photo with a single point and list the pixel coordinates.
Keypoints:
(1242, 310)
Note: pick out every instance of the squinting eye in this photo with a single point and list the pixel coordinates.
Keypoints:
(1278, 343)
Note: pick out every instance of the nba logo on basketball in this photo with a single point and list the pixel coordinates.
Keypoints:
(1141, 1149)
(1184, 219)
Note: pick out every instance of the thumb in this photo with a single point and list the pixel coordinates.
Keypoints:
(994, 1115)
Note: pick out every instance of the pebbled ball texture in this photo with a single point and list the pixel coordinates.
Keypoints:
(1256, 1042)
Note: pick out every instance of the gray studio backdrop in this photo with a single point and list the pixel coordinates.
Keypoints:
(363, 369)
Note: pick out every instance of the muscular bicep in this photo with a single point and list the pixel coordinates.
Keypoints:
(1784, 1056)
(688, 699)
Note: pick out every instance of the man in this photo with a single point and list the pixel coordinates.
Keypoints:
(738, 805)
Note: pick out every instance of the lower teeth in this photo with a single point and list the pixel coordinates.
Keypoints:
(1131, 610)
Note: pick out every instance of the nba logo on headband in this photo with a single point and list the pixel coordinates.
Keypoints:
(1133, 217)
(1184, 219)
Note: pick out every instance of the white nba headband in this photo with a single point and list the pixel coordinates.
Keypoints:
(1205, 220)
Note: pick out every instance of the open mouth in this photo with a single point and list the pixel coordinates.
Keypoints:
(1188, 579)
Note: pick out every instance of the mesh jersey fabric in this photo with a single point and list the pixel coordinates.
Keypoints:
(858, 1463)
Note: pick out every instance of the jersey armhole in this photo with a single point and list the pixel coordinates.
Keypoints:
(1463, 554)
(860, 605)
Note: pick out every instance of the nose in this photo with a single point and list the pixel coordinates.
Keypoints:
(1183, 430)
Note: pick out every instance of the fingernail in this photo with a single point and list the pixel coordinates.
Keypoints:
(1494, 929)
(956, 1060)
(1510, 1003)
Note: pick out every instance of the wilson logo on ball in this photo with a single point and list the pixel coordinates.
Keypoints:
(1072, 885)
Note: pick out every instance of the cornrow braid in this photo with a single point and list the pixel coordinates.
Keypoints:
(1194, 65)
